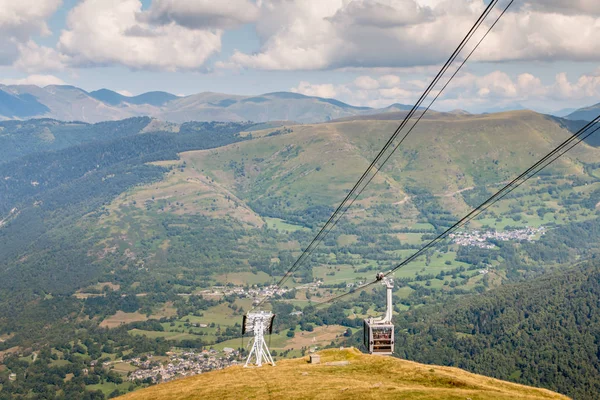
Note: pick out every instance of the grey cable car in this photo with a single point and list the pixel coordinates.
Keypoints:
(379, 332)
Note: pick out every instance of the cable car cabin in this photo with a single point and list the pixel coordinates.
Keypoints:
(379, 338)
(379, 332)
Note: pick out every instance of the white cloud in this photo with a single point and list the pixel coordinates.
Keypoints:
(38, 80)
(378, 91)
(23, 18)
(19, 20)
(498, 86)
(366, 82)
(35, 58)
(330, 34)
(201, 14)
(396, 94)
(294, 34)
(587, 86)
(118, 32)
(383, 13)
(565, 7)
(375, 33)
(105, 32)
(542, 36)
(467, 91)
(320, 90)
(389, 80)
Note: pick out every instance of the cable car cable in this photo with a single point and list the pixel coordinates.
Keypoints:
(420, 117)
(342, 207)
(472, 215)
(322, 232)
(578, 137)
(479, 209)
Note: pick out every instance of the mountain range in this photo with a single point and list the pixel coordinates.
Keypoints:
(69, 103)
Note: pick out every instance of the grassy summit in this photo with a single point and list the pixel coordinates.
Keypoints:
(363, 377)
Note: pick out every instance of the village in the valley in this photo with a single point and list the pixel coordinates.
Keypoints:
(183, 364)
(484, 239)
(188, 363)
(244, 292)
(254, 292)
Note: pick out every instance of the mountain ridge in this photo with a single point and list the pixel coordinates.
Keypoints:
(342, 374)
(585, 113)
(156, 98)
(67, 103)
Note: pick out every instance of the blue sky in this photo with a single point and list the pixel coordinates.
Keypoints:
(542, 55)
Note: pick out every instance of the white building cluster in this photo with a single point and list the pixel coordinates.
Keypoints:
(255, 292)
(181, 365)
(242, 292)
(482, 239)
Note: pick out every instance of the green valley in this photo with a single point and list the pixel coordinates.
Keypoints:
(162, 236)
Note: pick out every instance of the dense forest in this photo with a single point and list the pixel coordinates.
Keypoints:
(21, 138)
(543, 332)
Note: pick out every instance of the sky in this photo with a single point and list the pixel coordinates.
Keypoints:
(542, 54)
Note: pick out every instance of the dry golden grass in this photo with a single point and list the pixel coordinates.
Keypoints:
(365, 377)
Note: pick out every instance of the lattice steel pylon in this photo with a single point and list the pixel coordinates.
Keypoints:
(259, 323)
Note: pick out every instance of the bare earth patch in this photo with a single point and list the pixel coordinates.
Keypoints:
(121, 318)
(320, 336)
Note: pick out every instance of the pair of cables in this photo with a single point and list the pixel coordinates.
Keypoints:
(580, 136)
(392, 144)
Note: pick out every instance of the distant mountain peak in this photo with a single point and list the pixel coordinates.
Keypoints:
(585, 113)
(155, 98)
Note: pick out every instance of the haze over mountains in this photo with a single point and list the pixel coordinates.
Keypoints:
(69, 103)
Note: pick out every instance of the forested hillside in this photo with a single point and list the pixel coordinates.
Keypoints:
(21, 138)
(46, 196)
(544, 332)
